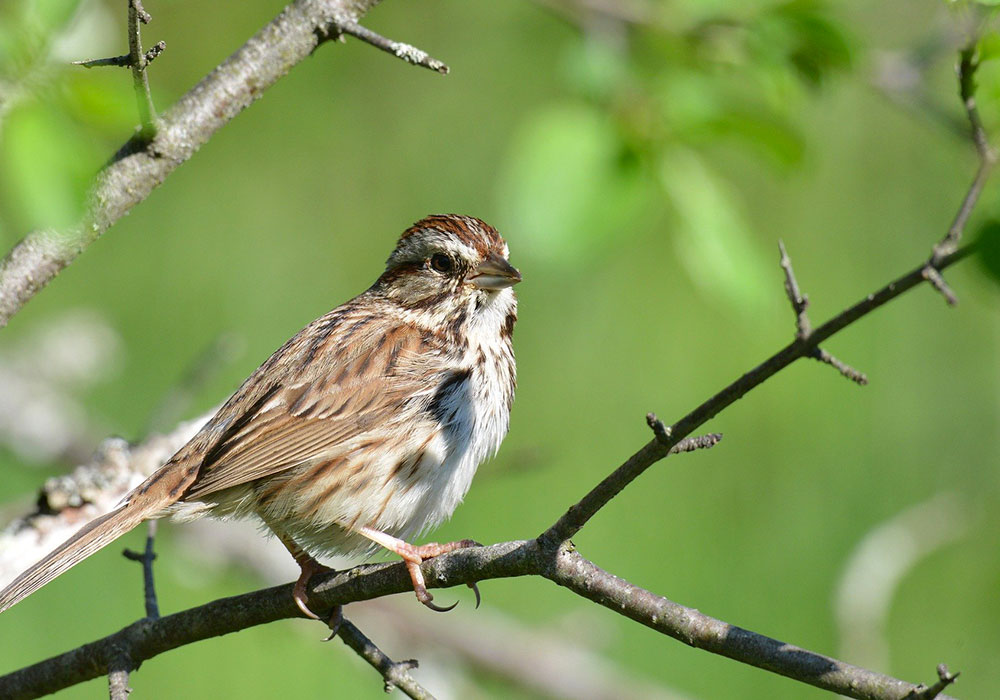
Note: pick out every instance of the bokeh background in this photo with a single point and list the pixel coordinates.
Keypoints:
(642, 161)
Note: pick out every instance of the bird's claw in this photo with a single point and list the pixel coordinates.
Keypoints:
(424, 596)
(336, 618)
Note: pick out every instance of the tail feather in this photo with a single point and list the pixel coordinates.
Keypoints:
(96, 534)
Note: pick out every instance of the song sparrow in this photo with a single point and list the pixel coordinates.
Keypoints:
(362, 430)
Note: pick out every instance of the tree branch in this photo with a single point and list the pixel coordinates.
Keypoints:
(141, 164)
(146, 558)
(138, 61)
(550, 555)
(410, 54)
(561, 564)
(655, 450)
(395, 673)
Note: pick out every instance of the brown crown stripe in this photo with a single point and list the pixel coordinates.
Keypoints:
(465, 228)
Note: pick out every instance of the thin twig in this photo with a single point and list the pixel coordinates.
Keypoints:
(147, 556)
(845, 369)
(945, 254)
(803, 328)
(123, 61)
(799, 301)
(599, 496)
(138, 61)
(410, 54)
(968, 63)
(395, 673)
(945, 678)
(937, 281)
(118, 672)
(661, 431)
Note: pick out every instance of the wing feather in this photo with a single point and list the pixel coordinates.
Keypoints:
(331, 389)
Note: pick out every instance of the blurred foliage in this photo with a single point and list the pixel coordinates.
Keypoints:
(58, 121)
(591, 163)
(642, 164)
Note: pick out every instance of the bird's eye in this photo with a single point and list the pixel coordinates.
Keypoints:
(442, 263)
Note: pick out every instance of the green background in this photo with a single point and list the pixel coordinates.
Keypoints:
(642, 194)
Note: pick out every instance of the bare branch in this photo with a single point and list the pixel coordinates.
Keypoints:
(800, 302)
(146, 557)
(945, 678)
(395, 673)
(968, 63)
(123, 61)
(661, 431)
(803, 328)
(119, 669)
(146, 638)
(140, 166)
(578, 515)
(410, 54)
(937, 281)
(842, 367)
(137, 61)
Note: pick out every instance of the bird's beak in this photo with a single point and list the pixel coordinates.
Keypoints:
(494, 273)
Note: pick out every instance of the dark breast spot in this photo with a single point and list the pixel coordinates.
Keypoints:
(450, 391)
(508, 325)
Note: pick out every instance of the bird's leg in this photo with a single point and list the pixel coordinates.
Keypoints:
(308, 566)
(413, 556)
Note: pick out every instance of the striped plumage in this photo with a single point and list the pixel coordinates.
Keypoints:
(371, 421)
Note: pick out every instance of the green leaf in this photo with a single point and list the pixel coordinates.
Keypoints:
(566, 185)
(712, 237)
(46, 163)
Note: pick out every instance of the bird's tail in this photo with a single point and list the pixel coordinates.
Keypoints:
(148, 500)
(96, 534)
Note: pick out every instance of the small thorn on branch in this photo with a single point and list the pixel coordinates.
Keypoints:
(845, 369)
(122, 61)
(700, 442)
(800, 302)
(922, 692)
(661, 431)
(937, 281)
(410, 54)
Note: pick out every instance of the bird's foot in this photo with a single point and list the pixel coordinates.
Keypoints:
(309, 567)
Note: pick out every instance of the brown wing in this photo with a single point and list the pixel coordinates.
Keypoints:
(337, 379)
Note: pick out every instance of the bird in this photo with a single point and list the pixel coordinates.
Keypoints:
(363, 430)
